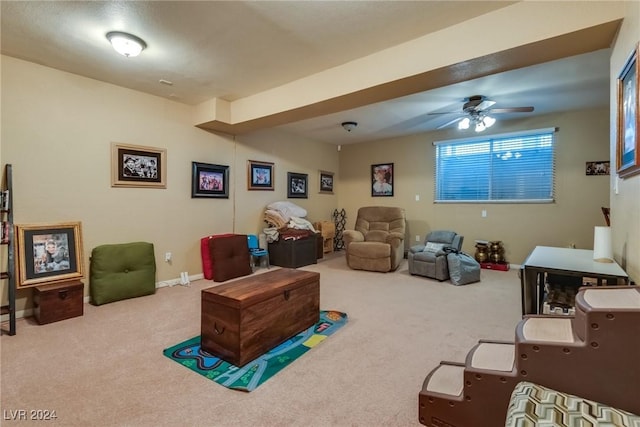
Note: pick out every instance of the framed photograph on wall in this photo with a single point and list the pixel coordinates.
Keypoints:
(138, 166)
(48, 253)
(209, 180)
(260, 175)
(297, 185)
(597, 168)
(627, 145)
(382, 180)
(326, 182)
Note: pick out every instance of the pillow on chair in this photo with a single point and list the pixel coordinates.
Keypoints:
(433, 247)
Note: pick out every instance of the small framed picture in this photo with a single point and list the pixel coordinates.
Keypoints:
(138, 166)
(326, 182)
(628, 144)
(208, 180)
(382, 180)
(297, 185)
(259, 175)
(598, 168)
(48, 253)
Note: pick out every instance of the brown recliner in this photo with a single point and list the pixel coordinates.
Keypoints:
(377, 243)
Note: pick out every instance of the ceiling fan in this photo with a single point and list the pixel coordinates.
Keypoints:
(476, 110)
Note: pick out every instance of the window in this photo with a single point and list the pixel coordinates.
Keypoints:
(515, 167)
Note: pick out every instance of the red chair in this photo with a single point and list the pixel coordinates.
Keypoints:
(207, 263)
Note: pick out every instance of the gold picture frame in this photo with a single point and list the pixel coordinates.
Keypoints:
(260, 175)
(628, 123)
(138, 166)
(48, 253)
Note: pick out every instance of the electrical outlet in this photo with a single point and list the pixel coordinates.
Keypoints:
(484, 213)
(417, 238)
(167, 257)
(417, 197)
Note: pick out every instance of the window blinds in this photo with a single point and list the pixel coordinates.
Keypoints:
(508, 168)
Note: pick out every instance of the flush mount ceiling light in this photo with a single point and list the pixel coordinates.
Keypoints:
(126, 44)
(349, 126)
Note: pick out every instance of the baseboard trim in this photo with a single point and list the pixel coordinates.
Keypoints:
(171, 282)
(178, 281)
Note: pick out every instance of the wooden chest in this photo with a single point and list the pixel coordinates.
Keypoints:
(242, 320)
(294, 253)
(58, 301)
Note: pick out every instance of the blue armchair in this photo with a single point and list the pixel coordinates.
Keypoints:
(429, 259)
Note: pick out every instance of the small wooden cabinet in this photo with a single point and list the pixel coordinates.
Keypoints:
(58, 301)
(328, 231)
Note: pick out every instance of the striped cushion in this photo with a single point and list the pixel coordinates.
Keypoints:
(533, 405)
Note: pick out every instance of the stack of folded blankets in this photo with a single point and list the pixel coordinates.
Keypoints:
(286, 220)
(274, 218)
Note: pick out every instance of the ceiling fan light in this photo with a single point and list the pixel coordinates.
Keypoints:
(480, 127)
(464, 123)
(126, 44)
(488, 121)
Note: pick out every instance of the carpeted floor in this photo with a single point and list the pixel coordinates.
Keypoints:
(106, 368)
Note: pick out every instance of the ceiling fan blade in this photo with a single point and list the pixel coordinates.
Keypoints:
(512, 110)
(450, 122)
(445, 112)
(484, 105)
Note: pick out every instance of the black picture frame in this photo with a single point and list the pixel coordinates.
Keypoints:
(138, 166)
(597, 168)
(382, 180)
(209, 180)
(326, 182)
(37, 265)
(297, 185)
(260, 175)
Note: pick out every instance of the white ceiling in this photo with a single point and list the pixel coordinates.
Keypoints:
(233, 49)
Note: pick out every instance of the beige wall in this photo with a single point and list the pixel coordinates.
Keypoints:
(289, 154)
(57, 130)
(582, 137)
(625, 203)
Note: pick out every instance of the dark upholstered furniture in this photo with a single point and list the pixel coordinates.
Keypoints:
(377, 243)
(429, 259)
(229, 257)
(294, 253)
(121, 271)
(207, 263)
